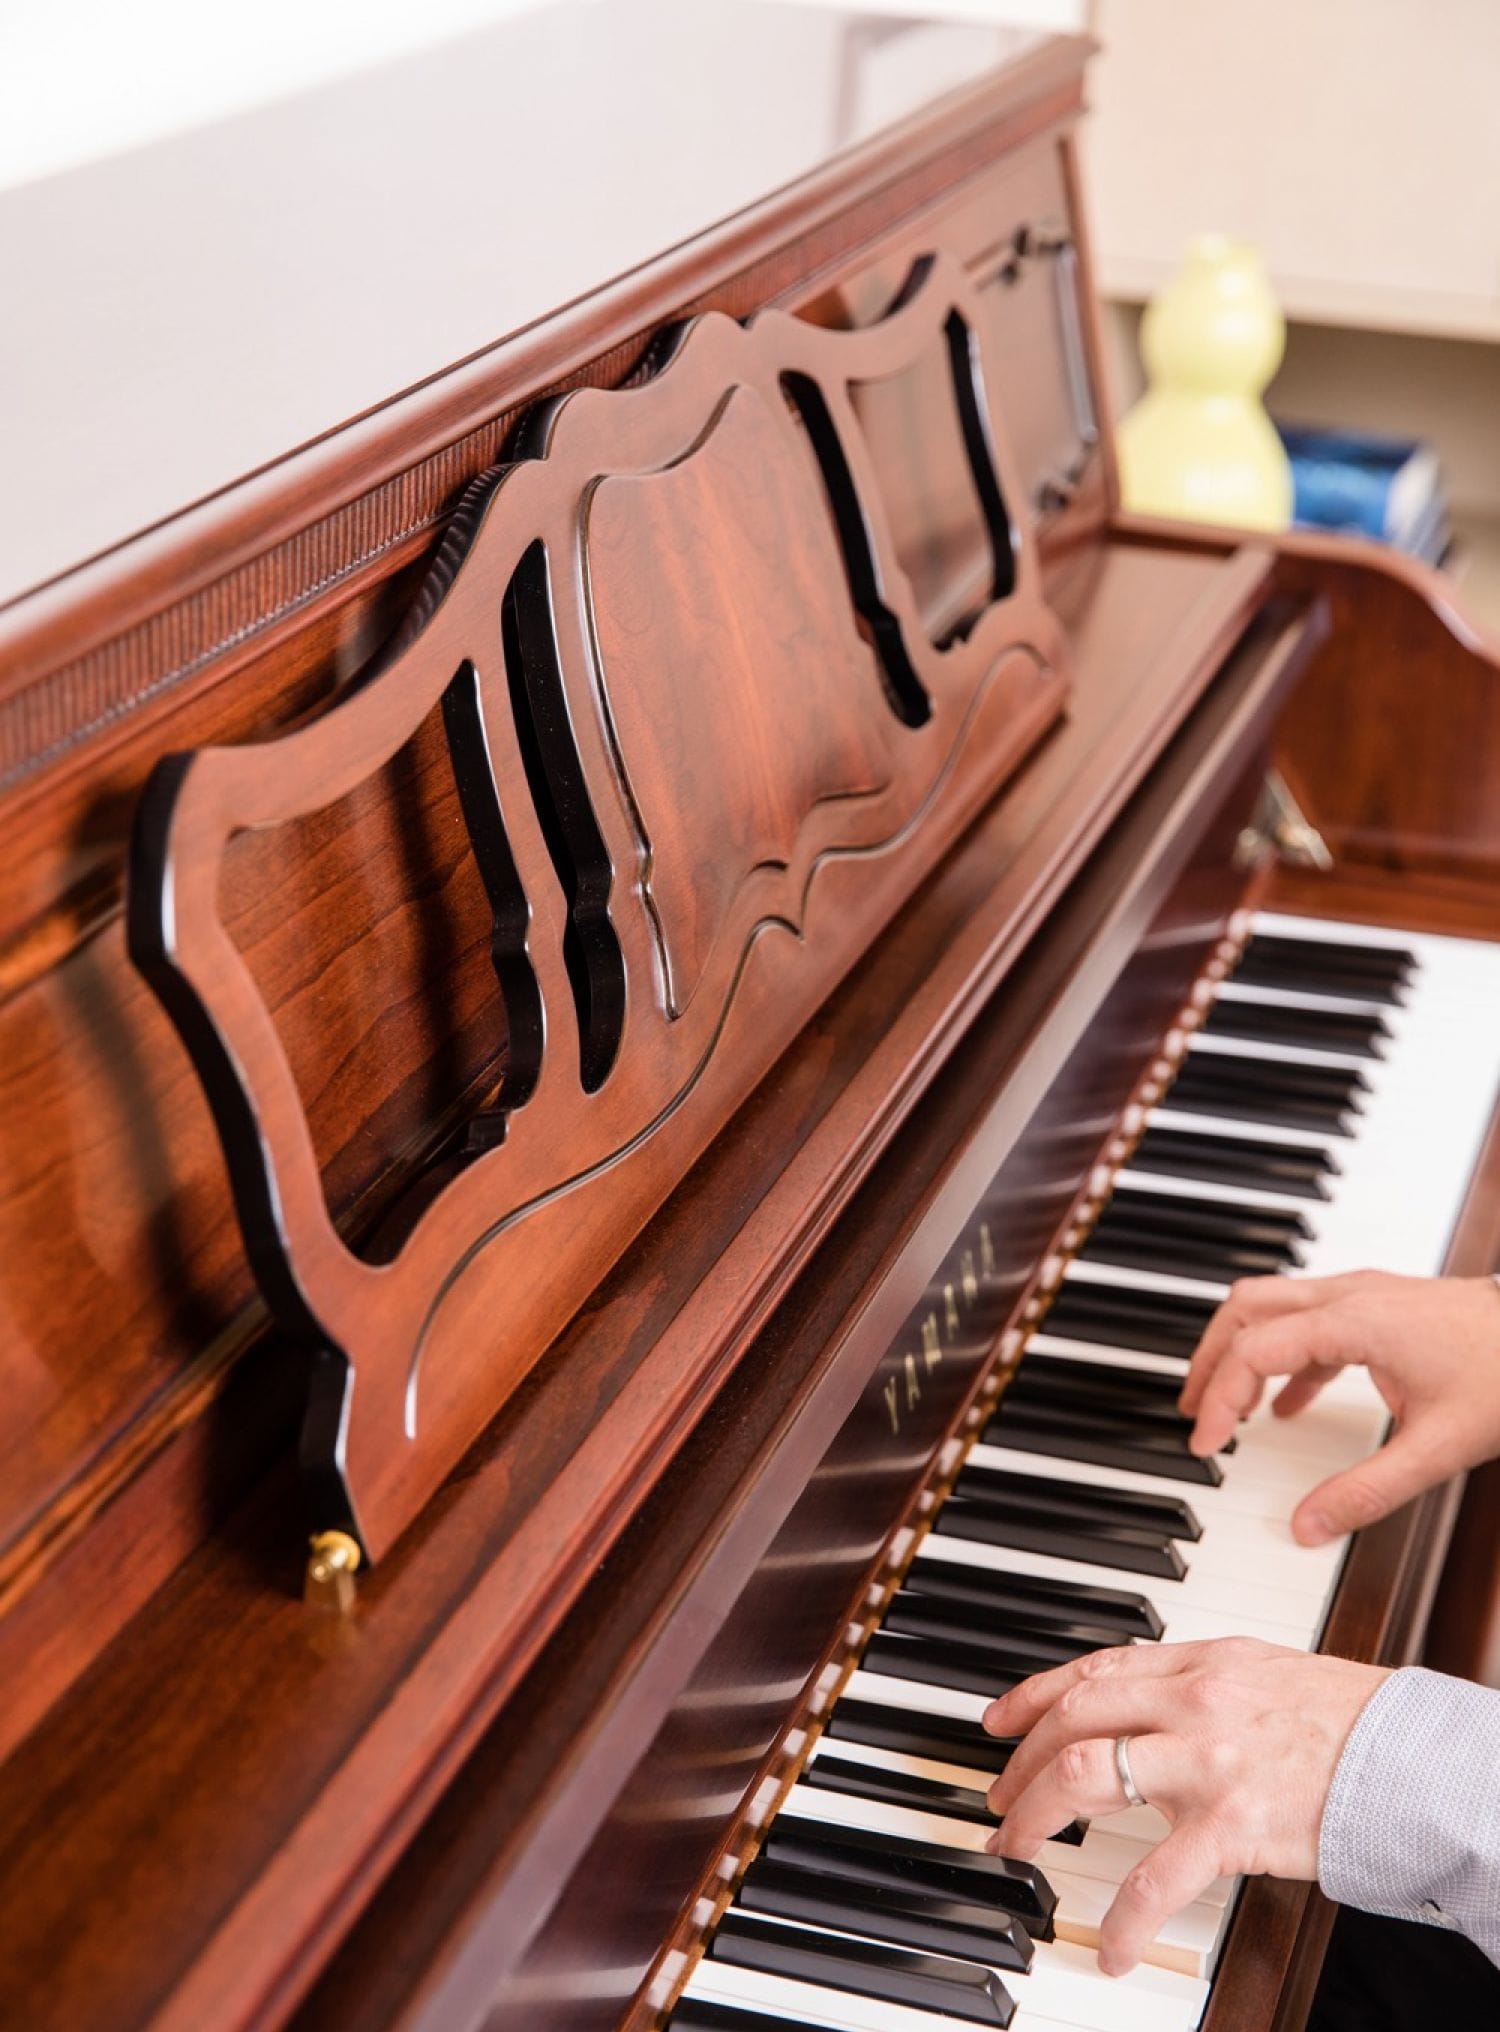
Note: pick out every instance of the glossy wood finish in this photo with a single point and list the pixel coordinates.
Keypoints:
(694, 789)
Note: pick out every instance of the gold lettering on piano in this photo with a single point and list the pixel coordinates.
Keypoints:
(891, 1406)
(986, 1251)
(951, 1321)
(913, 1387)
(932, 1352)
(968, 1281)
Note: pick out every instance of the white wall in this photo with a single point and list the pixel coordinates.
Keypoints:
(83, 79)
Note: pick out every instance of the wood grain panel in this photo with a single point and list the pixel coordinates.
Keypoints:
(571, 736)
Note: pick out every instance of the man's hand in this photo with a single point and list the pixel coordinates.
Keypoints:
(1431, 1345)
(1235, 1742)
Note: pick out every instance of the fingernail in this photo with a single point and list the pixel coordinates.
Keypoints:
(1314, 1529)
(992, 1845)
(1112, 1965)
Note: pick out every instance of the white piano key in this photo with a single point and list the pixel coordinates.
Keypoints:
(1068, 1350)
(1122, 1276)
(1251, 1197)
(1333, 931)
(1217, 1046)
(914, 1696)
(1390, 1013)
(1173, 1115)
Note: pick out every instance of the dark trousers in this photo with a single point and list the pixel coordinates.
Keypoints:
(1390, 1975)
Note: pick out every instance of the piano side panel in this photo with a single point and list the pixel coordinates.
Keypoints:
(1392, 745)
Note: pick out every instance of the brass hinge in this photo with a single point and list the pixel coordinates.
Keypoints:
(1280, 831)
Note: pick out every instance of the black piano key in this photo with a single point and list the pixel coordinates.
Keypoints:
(1127, 1546)
(1345, 1085)
(1231, 1160)
(1265, 1110)
(1168, 1212)
(860, 1855)
(1101, 1444)
(1077, 1379)
(944, 1738)
(697, 2014)
(1113, 1614)
(968, 1669)
(1136, 1414)
(919, 1615)
(919, 1979)
(911, 1788)
(1156, 1322)
(1168, 1515)
(1214, 1262)
(1319, 960)
(1191, 1245)
(1314, 1029)
(907, 1919)
(1340, 952)
(1350, 983)
(1157, 1415)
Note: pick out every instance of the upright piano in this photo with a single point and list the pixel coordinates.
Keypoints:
(653, 969)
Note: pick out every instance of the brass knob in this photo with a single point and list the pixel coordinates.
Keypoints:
(332, 1563)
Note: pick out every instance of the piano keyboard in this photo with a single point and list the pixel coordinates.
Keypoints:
(1338, 1065)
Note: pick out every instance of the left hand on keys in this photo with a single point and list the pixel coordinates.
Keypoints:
(1234, 1742)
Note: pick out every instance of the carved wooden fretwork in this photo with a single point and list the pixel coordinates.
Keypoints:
(704, 746)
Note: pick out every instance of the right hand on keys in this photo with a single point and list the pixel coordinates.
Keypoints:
(1431, 1345)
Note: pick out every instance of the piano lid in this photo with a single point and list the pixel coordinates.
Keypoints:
(193, 311)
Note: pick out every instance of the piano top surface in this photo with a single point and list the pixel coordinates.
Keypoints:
(197, 310)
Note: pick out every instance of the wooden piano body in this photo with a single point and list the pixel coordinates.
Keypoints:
(753, 1001)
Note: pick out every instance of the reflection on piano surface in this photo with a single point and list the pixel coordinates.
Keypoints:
(654, 983)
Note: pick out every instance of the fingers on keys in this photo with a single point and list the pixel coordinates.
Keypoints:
(1099, 1704)
(1167, 1878)
(1308, 1344)
(1407, 1464)
(1017, 1712)
(1064, 1768)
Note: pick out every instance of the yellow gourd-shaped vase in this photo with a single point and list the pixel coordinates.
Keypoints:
(1199, 445)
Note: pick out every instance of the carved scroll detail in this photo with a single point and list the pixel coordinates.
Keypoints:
(704, 748)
